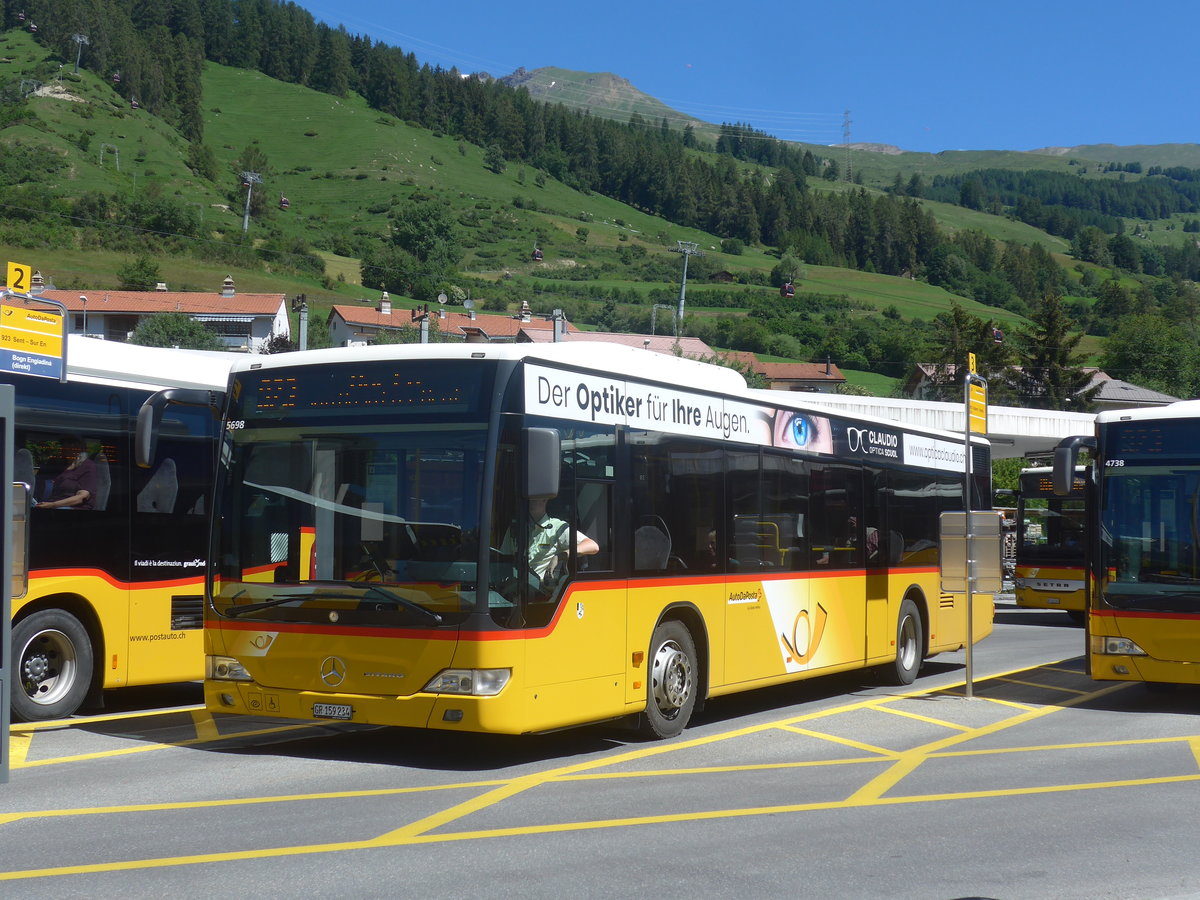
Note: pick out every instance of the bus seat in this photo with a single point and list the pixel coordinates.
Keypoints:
(23, 467)
(159, 493)
(103, 483)
(651, 545)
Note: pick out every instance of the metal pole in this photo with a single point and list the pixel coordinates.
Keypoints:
(971, 379)
(687, 248)
(303, 324)
(970, 561)
(682, 296)
(246, 215)
(80, 40)
(250, 179)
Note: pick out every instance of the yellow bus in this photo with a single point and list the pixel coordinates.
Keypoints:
(115, 578)
(1049, 570)
(1143, 552)
(521, 538)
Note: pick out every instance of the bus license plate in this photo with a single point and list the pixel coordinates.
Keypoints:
(332, 711)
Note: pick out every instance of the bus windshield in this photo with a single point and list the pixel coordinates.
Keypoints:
(367, 515)
(1051, 527)
(1150, 538)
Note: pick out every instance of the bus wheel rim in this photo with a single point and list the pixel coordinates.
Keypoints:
(908, 642)
(47, 667)
(671, 676)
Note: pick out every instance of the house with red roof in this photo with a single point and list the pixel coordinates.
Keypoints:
(351, 326)
(819, 378)
(244, 322)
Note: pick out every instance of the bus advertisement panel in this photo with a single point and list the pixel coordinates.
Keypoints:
(514, 539)
(1143, 553)
(1049, 569)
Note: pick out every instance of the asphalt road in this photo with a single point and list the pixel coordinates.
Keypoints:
(1043, 784)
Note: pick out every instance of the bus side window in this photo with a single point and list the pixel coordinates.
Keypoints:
(594, 509)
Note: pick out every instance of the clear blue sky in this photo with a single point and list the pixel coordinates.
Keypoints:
(924, 75)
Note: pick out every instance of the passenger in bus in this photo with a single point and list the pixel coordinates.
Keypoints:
(75, 486)
(549, 540)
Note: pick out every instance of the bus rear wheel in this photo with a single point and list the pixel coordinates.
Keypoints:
(53, 656)
(671, 684)
(910, 645)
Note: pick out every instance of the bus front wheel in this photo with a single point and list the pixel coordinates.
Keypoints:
(910, 645)
(671, 684)
(53, 656)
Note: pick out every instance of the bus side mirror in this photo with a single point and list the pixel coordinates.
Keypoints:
(151, 412)
(542, 454)
(1066, 457)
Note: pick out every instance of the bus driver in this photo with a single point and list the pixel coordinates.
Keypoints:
(549, 539)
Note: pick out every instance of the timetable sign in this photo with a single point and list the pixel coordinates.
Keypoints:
(31, 341)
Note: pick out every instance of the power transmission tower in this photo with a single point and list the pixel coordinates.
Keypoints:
(846, 143)
(249, 179)
(687, 248)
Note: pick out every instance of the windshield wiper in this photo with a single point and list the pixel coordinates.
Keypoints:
(400, 600)
(236, 611)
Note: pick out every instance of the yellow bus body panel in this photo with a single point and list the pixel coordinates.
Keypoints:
(590, 662)
(1172, 645)
(1050, 587)
(136, 644)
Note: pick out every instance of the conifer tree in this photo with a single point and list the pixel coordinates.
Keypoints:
(1051, 374)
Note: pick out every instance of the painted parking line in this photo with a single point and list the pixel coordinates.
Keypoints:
(21, 737)
(878, 788)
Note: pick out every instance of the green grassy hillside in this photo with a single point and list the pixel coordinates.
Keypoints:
(343, 166)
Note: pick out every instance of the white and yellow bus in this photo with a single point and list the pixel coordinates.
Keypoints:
(1143, 548)
(115, 584)
(1049, 568)
(381, 555)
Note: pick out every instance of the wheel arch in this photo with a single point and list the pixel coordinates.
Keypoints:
(692, 619)
(82, 609)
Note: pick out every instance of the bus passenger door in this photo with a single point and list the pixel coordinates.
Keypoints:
(576, 619)
(875, 538)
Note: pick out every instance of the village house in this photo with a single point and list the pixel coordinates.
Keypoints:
(244, 322)
(351, 326)
(818, 378)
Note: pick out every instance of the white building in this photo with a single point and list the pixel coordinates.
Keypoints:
(243, 321)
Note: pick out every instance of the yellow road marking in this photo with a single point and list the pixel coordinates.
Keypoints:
(206, 727)
(911, 759)
(927, 719)
(720, 770)
(417, 832)
(146, 748)
(18, 747)
(407, 837)
(1042, 687)
(857, 745)
(1011, 703)
(113, 717)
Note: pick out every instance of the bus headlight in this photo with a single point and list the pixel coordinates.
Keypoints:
(225, 668)
(1115, 646)
(476, 682)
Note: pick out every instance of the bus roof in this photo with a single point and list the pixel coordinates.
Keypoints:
(129, 365)
(595, 356)
(1183, 409)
